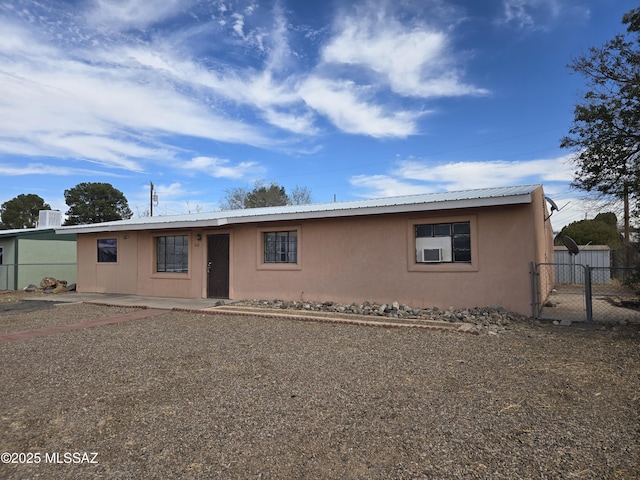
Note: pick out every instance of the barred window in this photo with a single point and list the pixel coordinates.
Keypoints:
(281, 247)
(173, 254)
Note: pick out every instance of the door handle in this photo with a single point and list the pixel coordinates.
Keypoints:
(209, 267)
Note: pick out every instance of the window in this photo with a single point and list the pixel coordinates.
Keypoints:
(281, 247)
(172, 254)
(443, 243)
(107, 250)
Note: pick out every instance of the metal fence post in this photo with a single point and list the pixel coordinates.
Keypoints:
(587, 293)
(534, 297)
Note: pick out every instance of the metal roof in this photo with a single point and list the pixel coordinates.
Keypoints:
(16, 232)
(408, 203)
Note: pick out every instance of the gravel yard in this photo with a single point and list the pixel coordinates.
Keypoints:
(190, 395)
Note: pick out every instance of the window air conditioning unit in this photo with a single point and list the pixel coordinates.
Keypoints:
(430, 255)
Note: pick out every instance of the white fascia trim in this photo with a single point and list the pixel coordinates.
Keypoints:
(130, 227)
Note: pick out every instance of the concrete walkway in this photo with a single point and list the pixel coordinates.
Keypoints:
(114, 299)
(148, 307)
(224, 307)
(98, 322)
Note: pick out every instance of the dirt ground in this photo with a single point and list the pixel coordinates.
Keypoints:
(14, 301)
(190, 395)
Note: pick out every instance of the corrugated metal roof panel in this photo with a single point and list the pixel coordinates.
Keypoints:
(422, 202)
(26, 231)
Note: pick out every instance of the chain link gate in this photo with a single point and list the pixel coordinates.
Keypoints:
(581, 293)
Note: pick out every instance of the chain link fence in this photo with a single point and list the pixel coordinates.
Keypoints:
(585, 293)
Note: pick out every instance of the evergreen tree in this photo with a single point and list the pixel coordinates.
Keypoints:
(606, 127)
(602, 230)
(22, 211)
(95, 203)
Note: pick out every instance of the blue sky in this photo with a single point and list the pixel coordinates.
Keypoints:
(352, 99)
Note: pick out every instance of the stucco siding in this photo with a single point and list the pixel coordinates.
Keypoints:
(345, 259)
(133, 272)
(369, 259)
(186, 285)
(543, 241)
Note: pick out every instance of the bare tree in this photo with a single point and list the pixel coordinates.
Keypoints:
(300, 196)
(264, 195)
(234, 198)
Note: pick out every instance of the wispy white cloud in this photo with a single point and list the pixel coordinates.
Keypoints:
(541, 14)
(222, 168)
(77, 106)
(173, 199)
(464, 175)
(387, 186)
(518, 12)
(414, 61)
(344, 104)
(19, 41)
(8, 170)
(238, 24)
(123, 14)
(280, 53)
(169, 192)
(302, 123)
(119, 98)
(412, 176)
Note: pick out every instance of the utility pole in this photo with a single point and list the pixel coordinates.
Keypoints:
(153, 198)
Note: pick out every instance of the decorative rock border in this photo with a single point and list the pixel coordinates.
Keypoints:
(493, 319)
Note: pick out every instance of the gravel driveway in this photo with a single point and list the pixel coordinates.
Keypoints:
(187, 395)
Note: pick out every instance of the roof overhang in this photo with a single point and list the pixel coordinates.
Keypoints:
(414, 203)
(23, 232)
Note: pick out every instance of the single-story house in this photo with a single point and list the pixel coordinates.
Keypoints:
(460, 249)
(28, 255)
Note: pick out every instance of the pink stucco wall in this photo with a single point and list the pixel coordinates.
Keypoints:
(345, 260)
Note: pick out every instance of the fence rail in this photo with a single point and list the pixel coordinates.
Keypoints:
(14, 276)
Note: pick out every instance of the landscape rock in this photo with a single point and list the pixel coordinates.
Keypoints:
(48, 282)
(52, 285)
(492, 319)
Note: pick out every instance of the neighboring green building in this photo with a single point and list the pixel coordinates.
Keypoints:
(29, 255)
